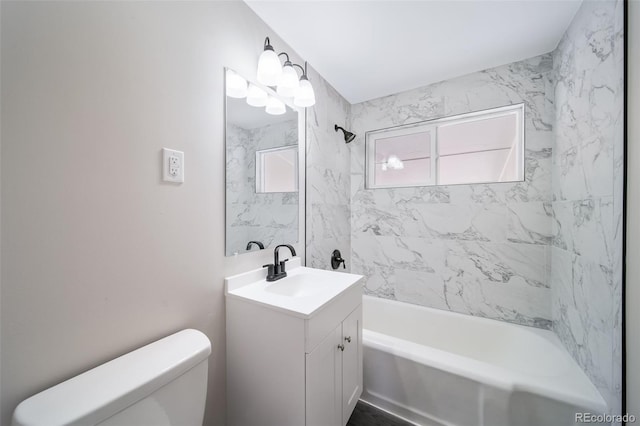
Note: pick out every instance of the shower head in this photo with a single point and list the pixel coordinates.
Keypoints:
(348, 136)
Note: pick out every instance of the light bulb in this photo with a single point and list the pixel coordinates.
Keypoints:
(256, 96)
(395, 163)
(269, 68)
(275, 106)
(288, 81)
(236, 85)
(304, 95)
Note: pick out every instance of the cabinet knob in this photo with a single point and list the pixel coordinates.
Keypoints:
(341, 347)
(348, 339)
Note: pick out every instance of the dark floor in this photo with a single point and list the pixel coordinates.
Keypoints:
(367, 415)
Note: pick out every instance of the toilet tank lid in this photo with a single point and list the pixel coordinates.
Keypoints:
(97, 394)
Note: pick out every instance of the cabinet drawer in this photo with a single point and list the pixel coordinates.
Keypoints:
(330, 316)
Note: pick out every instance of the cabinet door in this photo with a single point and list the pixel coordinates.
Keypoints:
(324, 382)
(351, 362)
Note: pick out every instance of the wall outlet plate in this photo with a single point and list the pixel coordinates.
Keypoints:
(172, 165)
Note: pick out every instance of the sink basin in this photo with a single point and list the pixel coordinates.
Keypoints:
(300, 285)
(301, 293)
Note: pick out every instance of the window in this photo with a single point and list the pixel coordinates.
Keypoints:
(478, 147)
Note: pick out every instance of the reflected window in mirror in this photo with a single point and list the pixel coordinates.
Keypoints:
(277, 169)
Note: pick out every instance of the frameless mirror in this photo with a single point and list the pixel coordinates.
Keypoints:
(262, 175)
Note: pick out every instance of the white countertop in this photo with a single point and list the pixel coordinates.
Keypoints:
(302, 293)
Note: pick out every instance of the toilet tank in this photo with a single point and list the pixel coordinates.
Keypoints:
(163, 383)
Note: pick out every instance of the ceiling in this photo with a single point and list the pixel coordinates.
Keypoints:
(367, 49)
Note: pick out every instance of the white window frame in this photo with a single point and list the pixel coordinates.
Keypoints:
(260, 169)
(432, 127)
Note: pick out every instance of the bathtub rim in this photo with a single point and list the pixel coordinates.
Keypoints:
(486, 373)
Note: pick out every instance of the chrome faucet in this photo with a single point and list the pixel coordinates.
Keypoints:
(276, 270)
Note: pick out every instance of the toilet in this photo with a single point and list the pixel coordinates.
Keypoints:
(161, 384)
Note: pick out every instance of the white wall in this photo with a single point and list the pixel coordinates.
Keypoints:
(100, 256)
(633, 210)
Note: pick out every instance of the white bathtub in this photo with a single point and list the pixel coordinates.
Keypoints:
(434, 367)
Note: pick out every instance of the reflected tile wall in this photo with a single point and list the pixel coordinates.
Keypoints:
(271, 218)
(328, 179)
(476, 249)
(587, 191)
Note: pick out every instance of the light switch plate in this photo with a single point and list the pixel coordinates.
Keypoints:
(172, 165)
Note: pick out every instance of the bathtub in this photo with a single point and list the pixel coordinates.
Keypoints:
(435, 367)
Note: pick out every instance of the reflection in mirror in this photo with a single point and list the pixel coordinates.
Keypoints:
(261, 177)
(277, 169)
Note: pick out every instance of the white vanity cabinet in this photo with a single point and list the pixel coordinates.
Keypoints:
(290, 366)
(334, 374)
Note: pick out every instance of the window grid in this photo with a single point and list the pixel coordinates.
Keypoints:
(432, 127)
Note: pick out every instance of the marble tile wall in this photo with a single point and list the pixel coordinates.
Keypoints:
(545, 252)
(266, 217)
(475, 249)
(328, 177)
(587, 188)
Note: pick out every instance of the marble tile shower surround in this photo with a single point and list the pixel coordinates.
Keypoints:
(328, 163)
(266, 217)
(475, 249)
(587, 188)
(545, 252)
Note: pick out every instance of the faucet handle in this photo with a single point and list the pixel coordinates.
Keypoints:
(336, 260)
(282, 265)
(270, 269)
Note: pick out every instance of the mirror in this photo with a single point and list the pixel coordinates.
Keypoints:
(262, 175)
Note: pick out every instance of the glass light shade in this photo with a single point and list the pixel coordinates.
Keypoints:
(256, 96)
(275, 106)
(236, 85)
(305, 97)
(288, 82)
(269, 68)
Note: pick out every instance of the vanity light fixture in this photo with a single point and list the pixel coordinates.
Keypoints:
(305, 97)
(275, 106)
(256, 96)
(272, 73)
(269, 67)
(236, 85)
(288, 84)
(348, 136)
